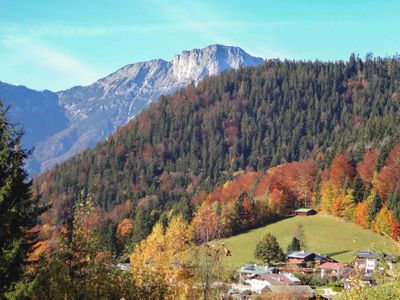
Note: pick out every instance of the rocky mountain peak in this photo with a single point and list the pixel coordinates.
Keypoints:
(91, 113)
(199, 63)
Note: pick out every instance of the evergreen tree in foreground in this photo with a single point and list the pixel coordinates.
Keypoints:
(268, 249)
(18, 208)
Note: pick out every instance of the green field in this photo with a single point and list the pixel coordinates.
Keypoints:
(324, 234)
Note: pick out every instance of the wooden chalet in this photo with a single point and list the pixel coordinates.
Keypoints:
(305, 212)
(300, 257)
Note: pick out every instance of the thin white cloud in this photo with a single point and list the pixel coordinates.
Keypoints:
(62, 63)
(195, 17)
(207, 22)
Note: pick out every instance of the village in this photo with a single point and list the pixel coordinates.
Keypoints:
(304, 275)
(310, 275)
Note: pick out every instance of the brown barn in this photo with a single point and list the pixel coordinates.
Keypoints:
(305, 212)
(300, 257)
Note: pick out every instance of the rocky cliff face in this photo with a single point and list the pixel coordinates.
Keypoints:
(91, 113)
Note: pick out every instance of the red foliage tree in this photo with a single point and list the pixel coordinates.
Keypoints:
(248, 213)
(296, 180)
(395, 230)
(388, 181)
(231, 190)
(367, 166)
(394, 156)
(263, 186)
(341, 169)
(279, 202)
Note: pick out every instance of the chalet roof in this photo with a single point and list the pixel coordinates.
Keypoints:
(278, 279)
(304, 210)
(366, 254)
(323, 257)
(299, 254)
(304, 290)
(254, 269)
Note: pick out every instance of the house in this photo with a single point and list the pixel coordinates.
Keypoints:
(320, 259)
(300, 257)
(365, 260)
(259, 282)
(352, 277)
(251, 270)
(124, 266)
(305, 212)
(331, 270)
(289, 292)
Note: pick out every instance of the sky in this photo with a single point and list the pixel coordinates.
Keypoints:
(48, 44)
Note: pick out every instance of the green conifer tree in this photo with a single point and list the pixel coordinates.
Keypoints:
(18, 209)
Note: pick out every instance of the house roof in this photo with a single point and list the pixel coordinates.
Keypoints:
(366, 254)
(278, 279)
(323, 257)
(331, 266)
(299, 254)
(254, 269)
(304, 290)
(304, 210)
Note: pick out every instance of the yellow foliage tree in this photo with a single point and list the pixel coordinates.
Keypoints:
(338, 207)
(349, 204)
(383, 221)
(163, 257)
(329, 193)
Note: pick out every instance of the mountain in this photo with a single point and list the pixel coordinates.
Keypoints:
(247, 119)
(38, 111)
(91, 113)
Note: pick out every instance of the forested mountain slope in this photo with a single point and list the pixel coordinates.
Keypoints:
(69, 121)
(248, 118)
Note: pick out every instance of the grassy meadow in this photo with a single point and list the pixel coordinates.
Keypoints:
(324, 235)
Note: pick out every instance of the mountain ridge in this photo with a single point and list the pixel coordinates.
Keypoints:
(95, 111)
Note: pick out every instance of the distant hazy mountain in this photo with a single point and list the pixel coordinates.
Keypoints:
(70, 121)
(39, 113)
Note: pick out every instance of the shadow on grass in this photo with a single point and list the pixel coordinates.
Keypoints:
(338, 252)
(269, 222)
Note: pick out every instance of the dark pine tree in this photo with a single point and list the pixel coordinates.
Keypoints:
(375, 207)
(18, 209)
(294, 245)
(394, 204)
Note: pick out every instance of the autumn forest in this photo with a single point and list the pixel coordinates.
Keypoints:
(234, 152)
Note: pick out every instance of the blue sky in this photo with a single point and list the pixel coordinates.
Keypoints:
(58, 44)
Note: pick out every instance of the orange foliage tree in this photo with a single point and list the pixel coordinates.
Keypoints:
(124, 230)
(362, 212)
(206, 224)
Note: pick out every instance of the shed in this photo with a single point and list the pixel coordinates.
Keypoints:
(305, 212)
